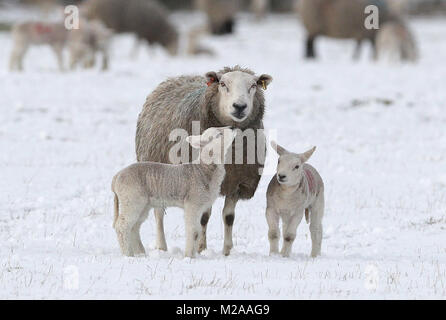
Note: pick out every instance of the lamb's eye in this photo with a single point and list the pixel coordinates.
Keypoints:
(296, 167)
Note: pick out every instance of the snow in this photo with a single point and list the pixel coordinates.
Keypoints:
(381, 150)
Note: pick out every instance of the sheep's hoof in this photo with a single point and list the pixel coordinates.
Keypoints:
(202, 247)
(227, 250)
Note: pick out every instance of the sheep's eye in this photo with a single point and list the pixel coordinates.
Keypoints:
(222, 84)
(296, 167)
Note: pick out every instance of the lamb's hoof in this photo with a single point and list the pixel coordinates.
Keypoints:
(161, 247)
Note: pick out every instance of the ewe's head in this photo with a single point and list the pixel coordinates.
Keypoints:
(236, 92)
(213, 143)
(289, 167)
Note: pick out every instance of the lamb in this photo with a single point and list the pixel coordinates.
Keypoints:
(342, 19)
(193, 187)
(147, 19)
(83, 43)
(232, 97)
(395, 42)
(296, 188)
(27, 34)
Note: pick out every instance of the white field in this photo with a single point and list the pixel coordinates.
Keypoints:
(381, 135)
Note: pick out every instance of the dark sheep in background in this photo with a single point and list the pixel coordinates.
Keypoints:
(342, 19)
(147, 19)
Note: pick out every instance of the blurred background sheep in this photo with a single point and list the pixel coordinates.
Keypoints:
(156, 22)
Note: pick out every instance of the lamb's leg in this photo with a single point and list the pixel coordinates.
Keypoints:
(17, 55)
(129, 214)
(290, 225)
(309, 49)
(191, 217)
(274, 232)
(137, 245)
(160, 237)
(202, 245)
(317, 212)
(228, 220)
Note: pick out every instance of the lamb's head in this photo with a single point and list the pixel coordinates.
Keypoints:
(289, 167)
(236, 92)
(213, 144)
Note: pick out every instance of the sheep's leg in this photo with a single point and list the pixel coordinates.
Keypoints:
(274, 232)
(105, 60)
(228, 220)
(129, 214)
(137, 245)
(374, 49)
(309, 52)
(191, 217)
(160, 237)
(289, 231)
(202, 245)
(357, 52)
(317, 212)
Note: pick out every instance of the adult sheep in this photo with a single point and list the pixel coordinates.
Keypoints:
(232, 97)
(342, 19)
(147, 19)
(220, 14)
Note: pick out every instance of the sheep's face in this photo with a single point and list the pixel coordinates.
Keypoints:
(290, 165)
(213, 143)
(236, 92)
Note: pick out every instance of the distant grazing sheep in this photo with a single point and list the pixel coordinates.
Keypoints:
(193, 187)
(232, 97)
(342, 19)
(296, 188)
(85, 42)
(147, 19)
(28, 34)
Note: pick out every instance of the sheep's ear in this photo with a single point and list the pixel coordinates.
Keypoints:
(212, 77)
(194, 141)
(306, 155)
(280, 150)
(264, 80)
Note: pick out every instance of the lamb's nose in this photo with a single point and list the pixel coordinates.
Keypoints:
(281, 177)
(239, 107)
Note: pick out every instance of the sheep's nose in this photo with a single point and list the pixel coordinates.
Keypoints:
(281, 177)
(239, 107)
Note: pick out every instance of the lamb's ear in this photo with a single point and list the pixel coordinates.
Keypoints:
(306, 155)
(280, 150)
(194, 141)
(264, 80)
(212, 77)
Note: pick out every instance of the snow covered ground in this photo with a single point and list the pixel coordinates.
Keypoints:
(381, 137)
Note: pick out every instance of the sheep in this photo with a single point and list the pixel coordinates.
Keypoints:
(395, 42)
(232, 97)
(26, 34)
(193, 187)
(342, 19)
(220, 14)
(297, 187)
(147, 19)
(83, 43)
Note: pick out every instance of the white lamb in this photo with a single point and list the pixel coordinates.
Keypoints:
(296, 188)
(193, 187)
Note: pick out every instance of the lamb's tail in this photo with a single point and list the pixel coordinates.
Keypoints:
(116, 209)
(307, 215)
